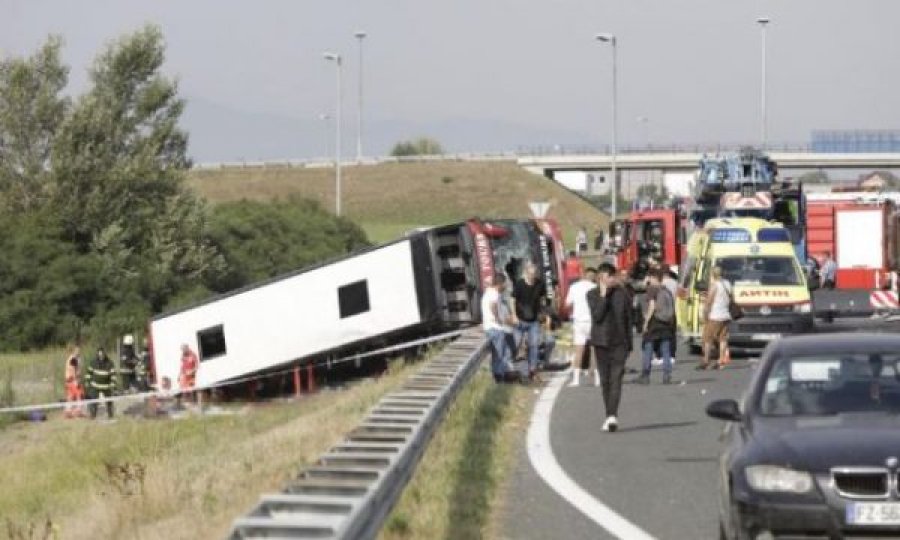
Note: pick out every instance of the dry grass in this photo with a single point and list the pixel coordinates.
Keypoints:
(388, 199)
(167, 479)
(457, 490)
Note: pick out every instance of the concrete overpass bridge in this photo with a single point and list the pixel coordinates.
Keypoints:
(549, 164)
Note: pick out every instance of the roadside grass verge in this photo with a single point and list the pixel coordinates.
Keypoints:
(30, 378)
(458, 488)
(169, 479)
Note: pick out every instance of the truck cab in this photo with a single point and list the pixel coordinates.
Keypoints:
(645, 235)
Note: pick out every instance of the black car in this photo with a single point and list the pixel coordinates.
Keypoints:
(813, 450)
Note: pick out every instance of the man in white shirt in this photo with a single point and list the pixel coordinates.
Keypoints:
(576, 300)
(497, 322)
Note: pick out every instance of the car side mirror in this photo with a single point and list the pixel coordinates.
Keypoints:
(724, 409)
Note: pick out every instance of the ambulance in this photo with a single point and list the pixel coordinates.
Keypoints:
(768, 282)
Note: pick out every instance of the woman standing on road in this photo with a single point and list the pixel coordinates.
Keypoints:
(717, 317)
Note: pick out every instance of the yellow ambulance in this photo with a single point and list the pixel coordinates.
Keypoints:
(768, 282)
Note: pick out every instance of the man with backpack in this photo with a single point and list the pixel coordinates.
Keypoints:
(658, 332)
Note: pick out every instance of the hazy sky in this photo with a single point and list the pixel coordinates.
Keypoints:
(495, 74)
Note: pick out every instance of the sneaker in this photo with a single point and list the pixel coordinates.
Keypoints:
(656, 362)
(611, 424)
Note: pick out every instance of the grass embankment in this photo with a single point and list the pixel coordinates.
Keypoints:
(166, 478)
(389, 199)
(29, 378)
(457, 490)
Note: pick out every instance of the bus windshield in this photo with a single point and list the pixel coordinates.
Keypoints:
(760, 270)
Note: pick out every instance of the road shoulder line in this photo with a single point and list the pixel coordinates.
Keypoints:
(540, 454)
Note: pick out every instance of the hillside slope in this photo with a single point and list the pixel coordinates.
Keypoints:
(388, 199)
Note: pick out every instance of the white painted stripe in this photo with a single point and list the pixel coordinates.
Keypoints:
(883, 299)
(540, 453)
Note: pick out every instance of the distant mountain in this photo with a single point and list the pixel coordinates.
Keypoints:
(221, 133)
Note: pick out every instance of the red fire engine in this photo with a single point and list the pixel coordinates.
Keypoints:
(859, 229)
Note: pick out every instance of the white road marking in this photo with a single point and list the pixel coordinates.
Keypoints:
(540, 453)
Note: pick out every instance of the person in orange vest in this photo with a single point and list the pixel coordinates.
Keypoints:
(189, 364)
(74, 390)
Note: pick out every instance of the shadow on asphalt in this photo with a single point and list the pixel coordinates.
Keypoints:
(471, 490)
(661, 425)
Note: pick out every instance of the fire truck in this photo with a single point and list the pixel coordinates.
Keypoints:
(859, 229)
(745, 184)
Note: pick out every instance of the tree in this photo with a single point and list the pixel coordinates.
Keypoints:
(814, 177)
(657, 194)
(118, 164)
(260, 240)
(31, 111)
(422, 146)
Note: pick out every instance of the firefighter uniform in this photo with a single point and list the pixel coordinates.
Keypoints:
(101, 381)
(141, 368)
(128, 364)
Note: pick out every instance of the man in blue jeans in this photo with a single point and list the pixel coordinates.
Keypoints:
(528, 302)
(496, 319)
(658, 328)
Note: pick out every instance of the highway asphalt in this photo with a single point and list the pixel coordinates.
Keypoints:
(658, 471)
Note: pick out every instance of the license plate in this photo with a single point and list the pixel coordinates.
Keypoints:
(765, 337)
(873, 514)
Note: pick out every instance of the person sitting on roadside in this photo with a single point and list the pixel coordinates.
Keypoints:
(497, 322)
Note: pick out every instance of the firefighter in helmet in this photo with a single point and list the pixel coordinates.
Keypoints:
(128, 364)
(101, 381)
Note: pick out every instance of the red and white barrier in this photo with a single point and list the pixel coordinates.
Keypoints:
(884, 300)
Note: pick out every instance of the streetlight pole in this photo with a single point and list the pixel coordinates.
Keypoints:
(763, 23)
(359, 110)
(611, 39)
(336, 58)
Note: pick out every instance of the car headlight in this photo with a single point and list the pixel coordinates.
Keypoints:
(805, 307)
(772, 478)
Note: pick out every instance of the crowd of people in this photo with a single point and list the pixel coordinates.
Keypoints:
(605, 312)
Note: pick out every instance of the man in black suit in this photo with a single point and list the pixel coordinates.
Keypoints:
(611, 324)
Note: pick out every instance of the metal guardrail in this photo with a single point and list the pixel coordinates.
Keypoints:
(352, 488)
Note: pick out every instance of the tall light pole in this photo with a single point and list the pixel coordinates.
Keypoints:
(764, 136)
(336, 58)
(359, 110)
(611, 39)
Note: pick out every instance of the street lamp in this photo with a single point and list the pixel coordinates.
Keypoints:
(336, 58)
(611, 39)
(763, 23)
(359, 110)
